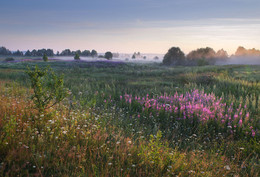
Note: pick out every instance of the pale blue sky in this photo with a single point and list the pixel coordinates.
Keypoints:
(148, 26)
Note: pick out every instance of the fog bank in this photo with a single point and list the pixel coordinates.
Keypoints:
(242, 60)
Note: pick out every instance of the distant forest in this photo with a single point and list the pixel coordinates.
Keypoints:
(174, 56)
(205, 56)
(199, 53)
(49, 52)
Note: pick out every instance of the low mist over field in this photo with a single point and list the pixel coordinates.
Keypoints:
(240, 61)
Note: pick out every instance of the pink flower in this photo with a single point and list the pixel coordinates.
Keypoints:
(240, 122)
(253, 133)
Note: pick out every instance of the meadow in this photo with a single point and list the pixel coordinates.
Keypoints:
(126, 119)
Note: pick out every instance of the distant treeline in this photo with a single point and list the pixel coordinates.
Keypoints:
(49, 52)
(241, 51)
(87, 53)
(204, 56)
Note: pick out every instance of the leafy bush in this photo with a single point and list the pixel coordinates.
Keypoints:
(45, 58)
(205, 79)
(9, 59)
(47, 88)
(76, 57)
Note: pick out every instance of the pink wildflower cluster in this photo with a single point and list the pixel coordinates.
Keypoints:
(197, 104)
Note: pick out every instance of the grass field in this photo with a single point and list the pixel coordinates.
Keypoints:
(132, 120)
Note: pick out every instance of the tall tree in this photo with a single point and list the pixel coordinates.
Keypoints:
(86, 53)
(28, 53)
(108, 55)
(5, 51)
(202, 53)
(241, 51)
(18, 53)
(174, 56)
(94, 53)
(222, 54)
(65, 52)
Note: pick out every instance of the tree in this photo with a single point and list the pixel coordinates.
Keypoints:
(207, 54)
(45, 58)
(41, 52)
(65, 52)
(34, 53)
(86, 53)
(4, 51)
(222, 54)
(18, 53)
(241, 51)
(78, 52)
(133, 57)
(28, 53)
(174, 56)
(76, 57)
(108, 55)
(49, 52)
(202, 53)
(94, 53)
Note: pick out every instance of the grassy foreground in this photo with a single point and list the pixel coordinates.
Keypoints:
(132, 120)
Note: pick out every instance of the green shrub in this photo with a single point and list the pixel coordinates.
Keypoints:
(47, 88)
(9, 59)
(45, 58)
(76, 57)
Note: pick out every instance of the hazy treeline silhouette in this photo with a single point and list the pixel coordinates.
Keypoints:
(49, 52)
(207, 56)
(40, 52)
(241, 51)
(87, 53)
(174, 56)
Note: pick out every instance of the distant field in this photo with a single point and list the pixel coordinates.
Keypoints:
(133, 119)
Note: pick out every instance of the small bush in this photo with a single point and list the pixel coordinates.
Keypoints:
(47, 88)
(45, 58)
(205, 79)
(9, 59)
(77, 57)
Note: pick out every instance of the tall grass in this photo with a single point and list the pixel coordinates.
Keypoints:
(96, 132)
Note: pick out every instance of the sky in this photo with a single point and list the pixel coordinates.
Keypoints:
(127, 26)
